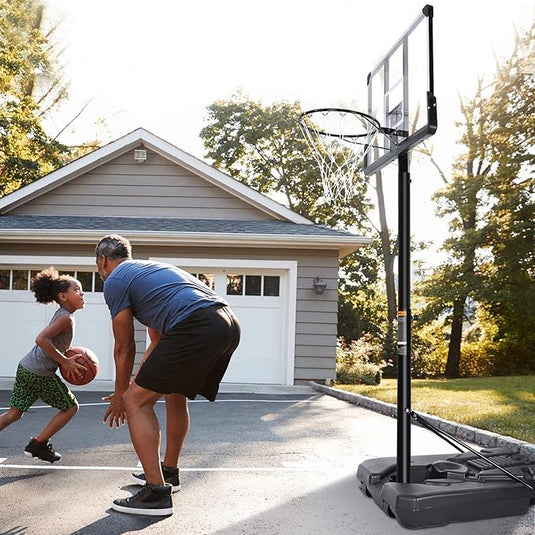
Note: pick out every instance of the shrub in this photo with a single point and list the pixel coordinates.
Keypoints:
(357, 362)
(429, 350)
(477, 359)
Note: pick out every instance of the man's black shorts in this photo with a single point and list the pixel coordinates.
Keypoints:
(193, 356)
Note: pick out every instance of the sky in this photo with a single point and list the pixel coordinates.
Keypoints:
(159, 64)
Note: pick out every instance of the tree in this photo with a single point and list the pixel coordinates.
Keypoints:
(509, 290)
(30, 89)
(452, 283)
(484, 196)
(262, 147)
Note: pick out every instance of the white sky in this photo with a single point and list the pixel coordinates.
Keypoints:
(159, 64)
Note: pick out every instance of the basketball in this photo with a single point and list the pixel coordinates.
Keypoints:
(89, 361)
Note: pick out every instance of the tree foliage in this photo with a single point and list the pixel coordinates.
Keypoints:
(489, 198)
(509, 278)
(30, 89)
(262, 147)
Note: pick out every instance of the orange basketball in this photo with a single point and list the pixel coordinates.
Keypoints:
(89, 361)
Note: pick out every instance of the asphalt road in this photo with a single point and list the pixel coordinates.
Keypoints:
(262, 464)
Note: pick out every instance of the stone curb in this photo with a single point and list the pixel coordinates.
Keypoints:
(464, 432)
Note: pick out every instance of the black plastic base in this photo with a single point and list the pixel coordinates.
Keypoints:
(445, 489)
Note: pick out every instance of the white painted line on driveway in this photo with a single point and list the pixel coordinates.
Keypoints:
(308, 467)
(103, 403)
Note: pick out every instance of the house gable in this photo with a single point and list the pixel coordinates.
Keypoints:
(156, 187)
(140, 138)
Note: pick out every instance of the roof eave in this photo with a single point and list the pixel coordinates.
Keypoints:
(344, 245)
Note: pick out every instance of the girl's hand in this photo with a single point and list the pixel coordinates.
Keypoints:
(72, 368)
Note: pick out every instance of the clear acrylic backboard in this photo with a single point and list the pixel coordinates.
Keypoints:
(401, 94)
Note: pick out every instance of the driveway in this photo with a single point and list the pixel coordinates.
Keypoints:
(264, 463)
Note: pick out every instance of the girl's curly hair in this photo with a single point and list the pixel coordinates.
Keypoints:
(48, 284)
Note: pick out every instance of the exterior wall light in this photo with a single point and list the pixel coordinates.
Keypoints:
(319, 285)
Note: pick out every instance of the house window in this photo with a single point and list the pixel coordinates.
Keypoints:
(86, 280)
(99, 283)
(20, 279)
(264, 285)
(271, 286)
(253, 285)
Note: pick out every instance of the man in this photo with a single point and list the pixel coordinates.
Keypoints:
(193, 333)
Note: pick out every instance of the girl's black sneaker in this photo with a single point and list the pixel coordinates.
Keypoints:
(41, 450)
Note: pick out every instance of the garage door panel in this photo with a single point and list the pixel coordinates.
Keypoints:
(22, 319)
(258, 357)
(93, 330)
(21, 323)
(261, 357)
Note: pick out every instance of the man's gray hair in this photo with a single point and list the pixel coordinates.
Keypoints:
(113, 247)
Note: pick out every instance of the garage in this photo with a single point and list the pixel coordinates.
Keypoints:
(262, 257)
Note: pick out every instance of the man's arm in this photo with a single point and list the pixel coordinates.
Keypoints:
(155, 337)
(123, 353)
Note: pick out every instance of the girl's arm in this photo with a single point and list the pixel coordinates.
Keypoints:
(44, 341)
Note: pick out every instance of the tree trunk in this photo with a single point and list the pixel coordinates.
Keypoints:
(388, 255)
(454, 348)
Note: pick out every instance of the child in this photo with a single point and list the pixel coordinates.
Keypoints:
(36, 374)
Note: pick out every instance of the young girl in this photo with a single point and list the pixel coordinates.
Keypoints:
(36, 373)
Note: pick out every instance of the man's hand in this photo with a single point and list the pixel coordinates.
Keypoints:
(115, 412)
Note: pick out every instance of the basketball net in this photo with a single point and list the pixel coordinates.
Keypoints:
(340, 139)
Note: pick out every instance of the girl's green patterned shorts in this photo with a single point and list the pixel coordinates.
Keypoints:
(30, 387)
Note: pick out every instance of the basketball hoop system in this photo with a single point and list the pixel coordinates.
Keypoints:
(340, 139)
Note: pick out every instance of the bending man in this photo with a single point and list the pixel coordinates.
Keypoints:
(193, 335)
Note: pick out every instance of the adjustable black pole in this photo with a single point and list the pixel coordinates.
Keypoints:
(404, 323)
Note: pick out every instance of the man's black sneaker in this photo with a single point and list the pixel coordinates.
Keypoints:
(153, 500)
(170, 475)
(42, 450)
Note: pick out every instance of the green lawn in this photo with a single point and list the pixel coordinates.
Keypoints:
(504, 405)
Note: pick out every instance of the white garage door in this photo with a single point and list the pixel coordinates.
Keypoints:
(261, 299)
(21, 319)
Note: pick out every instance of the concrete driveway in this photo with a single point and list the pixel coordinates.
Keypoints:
(278, 462)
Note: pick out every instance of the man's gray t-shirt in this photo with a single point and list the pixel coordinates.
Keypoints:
(160, 295)
(37, 361)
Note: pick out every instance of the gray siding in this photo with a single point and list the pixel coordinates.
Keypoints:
(155, 188)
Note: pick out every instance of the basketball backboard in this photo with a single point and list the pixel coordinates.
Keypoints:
(401, 94)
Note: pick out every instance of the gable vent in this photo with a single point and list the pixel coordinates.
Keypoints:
(140, 155)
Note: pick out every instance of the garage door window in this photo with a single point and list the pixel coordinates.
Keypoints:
(207, 278)
(20, 279)
(253, 285)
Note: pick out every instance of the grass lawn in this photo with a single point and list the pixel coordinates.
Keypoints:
(503, 405)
